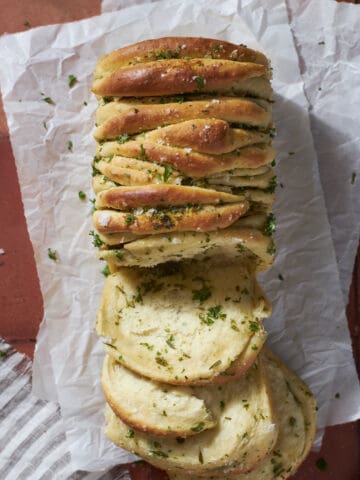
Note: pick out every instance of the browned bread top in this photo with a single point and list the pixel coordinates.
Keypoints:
(133, 116)
(169, 77)
(177, 47)
(181, 219)
(125, 198)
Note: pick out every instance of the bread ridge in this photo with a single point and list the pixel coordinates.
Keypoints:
(178, 47)
(132, 117)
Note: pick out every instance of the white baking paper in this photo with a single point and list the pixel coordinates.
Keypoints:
(308, 328)
(327, 40)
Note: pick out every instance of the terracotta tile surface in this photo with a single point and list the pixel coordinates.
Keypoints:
(20, 296)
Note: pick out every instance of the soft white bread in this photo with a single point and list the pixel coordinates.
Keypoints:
(239, 244)
(295, 410)
(186, 326)
(246, 431)
(152, 407)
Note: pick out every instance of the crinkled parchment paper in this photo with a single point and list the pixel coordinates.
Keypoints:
(327, 39)
(308, 328)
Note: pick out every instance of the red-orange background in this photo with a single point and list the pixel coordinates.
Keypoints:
(20, 297)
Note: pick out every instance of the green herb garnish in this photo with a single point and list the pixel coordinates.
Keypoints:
(272, 185)
(213, 313)
(253, 326)
(70, 145)
(130, 219)
(82, 195)
(270, 226)
(200, 82)
(170, 342)
(48, 100)
(71, 80)
(200, 426)
(106, 271)
(52, 254)
(97, 242)
(201, 295)
(216, 364)
(123, 138)
(167, 173)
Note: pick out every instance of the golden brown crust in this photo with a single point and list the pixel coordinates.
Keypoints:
(130, 171)
(210, 136)
(207, 218)
(125, 198)
(177, 47)
(174, 76)
(117, 118)
(192, 164)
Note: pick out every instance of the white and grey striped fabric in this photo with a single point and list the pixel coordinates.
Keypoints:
(32, 438)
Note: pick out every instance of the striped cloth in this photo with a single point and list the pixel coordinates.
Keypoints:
(32, 438)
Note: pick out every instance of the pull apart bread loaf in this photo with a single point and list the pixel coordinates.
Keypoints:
(184, 184)
(184, 153)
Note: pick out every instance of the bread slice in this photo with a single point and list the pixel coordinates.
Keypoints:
(183, 323)
(152, 407)
(176, 47)
(246, 431)
(295, 409)
(126, 198)
(238, 243)
(201, 218)
(176, 76)
(210, 135)
(186, 162)
(132, 116)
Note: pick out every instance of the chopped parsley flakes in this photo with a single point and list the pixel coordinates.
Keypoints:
(130, 219)
(212, 314)
(200, 82)
(270, 225)
(82, 195)
(52, 254)
(202, 294)
(106, 271)
(123, 138)
(97, 242)
(253, 326)
(167, 173)
(71, 80)
(200, 426)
